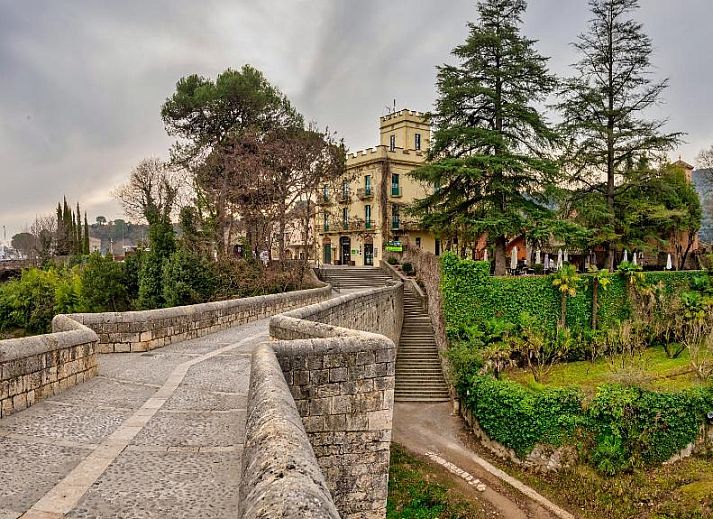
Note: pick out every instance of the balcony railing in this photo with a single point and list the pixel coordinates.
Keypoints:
(344, 196)
(324, 200)
(396, 191)
(365, 192)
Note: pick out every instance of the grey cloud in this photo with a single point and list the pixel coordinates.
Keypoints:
(81, 82)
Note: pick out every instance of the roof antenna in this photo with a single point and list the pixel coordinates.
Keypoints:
(394, 106)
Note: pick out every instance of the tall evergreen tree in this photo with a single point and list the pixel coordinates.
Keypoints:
(603, 107)
(79, 240)
(488, 161)
(86, 234)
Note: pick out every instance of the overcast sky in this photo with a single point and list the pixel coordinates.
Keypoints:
(82, 82)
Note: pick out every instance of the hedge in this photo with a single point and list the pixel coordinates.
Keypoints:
(620, 428)
(471, 296)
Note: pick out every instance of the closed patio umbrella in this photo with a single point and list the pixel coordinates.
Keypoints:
(537, 257)
(566, 256)
(669, 263)
(626, 255)
(547, 262)
(485, 255)
(633, 259)
(513, 259)
(559, 259)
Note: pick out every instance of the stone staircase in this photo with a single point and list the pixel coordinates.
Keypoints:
(419, 375)
(355, 277)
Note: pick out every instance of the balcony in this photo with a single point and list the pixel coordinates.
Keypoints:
(344, 197)
(395, 224)
(404, 226)
(396, 191)
(365, 193)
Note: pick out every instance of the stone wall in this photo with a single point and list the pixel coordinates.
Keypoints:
(124, 332)
(280, 476)
(33, 368)
(338, 360)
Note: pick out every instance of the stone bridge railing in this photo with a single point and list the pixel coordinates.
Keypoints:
(338, 362)
(32, 368)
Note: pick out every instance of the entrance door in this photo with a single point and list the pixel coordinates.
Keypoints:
(345, 246)
(327, 259)
(369, 254)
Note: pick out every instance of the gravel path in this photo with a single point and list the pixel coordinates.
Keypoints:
(158, 434)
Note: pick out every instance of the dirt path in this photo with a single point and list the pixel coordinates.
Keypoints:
(425, 428)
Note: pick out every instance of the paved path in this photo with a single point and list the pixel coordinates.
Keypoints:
(424, 428)
(157, 434)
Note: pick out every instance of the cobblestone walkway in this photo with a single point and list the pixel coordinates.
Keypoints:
(157, 434)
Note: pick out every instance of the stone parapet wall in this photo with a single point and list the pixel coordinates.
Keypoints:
(124, 332)
(280, 476)
(338, 358)
(33, 368)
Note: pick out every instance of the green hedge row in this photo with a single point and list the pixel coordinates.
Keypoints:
(471, 296)
(618, 429)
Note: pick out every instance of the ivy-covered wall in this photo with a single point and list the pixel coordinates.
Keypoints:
(618, 429)
(471, 295)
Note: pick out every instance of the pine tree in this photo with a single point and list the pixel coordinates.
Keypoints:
(487, 160)
(602, 107)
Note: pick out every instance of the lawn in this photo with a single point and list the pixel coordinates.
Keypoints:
(653, 370)
(421, 490)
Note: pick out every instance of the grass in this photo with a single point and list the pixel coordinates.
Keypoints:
(683, 490)
(653, 369)
(420, 490)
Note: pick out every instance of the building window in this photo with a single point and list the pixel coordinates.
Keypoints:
(392, 142)
(395, 186)
(325, 192)
(395, 217)
(345, 218)
(345, 190)
(417, 141)
(326, 222)
(418, 242)
(367, 217)
(367, 185)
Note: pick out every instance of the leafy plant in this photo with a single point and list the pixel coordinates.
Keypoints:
(566, 280)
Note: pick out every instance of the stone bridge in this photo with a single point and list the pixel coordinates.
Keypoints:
(271, 406)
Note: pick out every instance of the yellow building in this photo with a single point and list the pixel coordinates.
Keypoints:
(362, 216)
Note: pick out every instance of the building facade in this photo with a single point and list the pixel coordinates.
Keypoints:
(361, 216)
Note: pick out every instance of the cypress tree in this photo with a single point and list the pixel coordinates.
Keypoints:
(86, 234)
(488, 160)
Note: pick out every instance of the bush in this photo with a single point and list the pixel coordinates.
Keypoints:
(407, 268)
(187, 279)
(104, 285)
(132, 267)
(621, 428)
(150, 281)
(391, 260)
(31, 301)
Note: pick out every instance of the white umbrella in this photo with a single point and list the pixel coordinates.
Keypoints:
(559, 259)
(513, 259)
(547, 261)
(626, 255)
(485, 255)
(586, 262)
(633, 259)
(537, 257)
(669, 264)
(566, 256)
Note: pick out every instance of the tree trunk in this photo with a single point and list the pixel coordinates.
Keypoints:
(500, 260)
(563, 310)
(595, 302)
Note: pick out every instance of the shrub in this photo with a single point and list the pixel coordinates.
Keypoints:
(391, 260)
(407, 267)
(187, 279)
(31, 301)
(150, 281)
(104, 285)
(132, 267)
